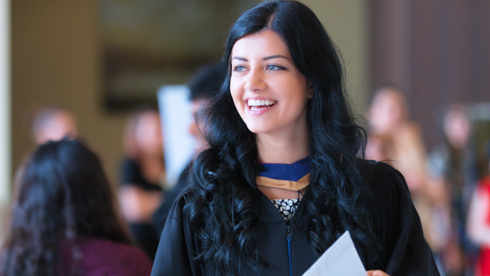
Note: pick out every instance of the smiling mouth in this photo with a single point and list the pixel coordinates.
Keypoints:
(260, 104)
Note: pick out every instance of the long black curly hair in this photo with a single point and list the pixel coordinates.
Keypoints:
(62, 194)
(224, 190)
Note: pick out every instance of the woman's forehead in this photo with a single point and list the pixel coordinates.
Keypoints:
(265, 43)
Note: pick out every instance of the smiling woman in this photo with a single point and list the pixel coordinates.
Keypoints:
(281, 180)
(269, 92)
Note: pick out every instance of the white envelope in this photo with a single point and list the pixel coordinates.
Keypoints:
(339, 259)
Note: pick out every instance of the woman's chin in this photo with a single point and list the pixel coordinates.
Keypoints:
(258, 129)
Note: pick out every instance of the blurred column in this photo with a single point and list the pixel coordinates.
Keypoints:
(5, 156)
(390, 42)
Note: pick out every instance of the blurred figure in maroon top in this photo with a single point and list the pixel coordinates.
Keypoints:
(65, 221)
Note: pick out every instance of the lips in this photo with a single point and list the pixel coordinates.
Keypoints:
(259, 104)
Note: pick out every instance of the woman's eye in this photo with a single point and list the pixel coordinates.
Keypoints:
(274, 67)
(239, 68)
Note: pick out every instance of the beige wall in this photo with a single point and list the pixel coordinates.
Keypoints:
(56, 60)
(346, 21)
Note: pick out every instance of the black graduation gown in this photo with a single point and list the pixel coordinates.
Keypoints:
(397, 223)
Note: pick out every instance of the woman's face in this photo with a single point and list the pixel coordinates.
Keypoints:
(61, 124)
(149, 134)
(457, 128)
(269, 92)
(386, 112)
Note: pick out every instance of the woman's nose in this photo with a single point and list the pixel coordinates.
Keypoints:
(255, 81)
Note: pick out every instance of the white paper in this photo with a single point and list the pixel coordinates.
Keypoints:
(340, 259)
(176, 116)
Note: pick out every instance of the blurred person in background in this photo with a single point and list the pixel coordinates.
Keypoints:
(478, 223)
(65, 219)
(142, 176)
(395, 139)
(452, 167)
(203, 86)
(52, 124)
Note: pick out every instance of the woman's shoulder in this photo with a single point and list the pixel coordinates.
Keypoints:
(129, 171)
(381, 177)
(387, 188)
(396, 221)
(485, 182)
(129, 163)
(484, 185)
(177, 209)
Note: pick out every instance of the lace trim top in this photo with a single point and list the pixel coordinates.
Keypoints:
(286, 207)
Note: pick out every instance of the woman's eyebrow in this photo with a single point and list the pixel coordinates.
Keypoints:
(275, 56)
(240, 58)
(265, 58)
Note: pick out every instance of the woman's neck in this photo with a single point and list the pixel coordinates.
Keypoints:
(282, 149)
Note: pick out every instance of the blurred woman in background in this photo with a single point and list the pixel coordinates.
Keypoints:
(65, 220)
(142, 176)
(399, 138)
(452, 167)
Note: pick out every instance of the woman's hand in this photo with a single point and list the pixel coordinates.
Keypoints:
(137, 204)
(376, 273)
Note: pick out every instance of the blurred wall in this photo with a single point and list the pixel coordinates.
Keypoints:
(436, 51)
(347, 24)
(56, 59)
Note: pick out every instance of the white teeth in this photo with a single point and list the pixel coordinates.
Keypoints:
(256, 103)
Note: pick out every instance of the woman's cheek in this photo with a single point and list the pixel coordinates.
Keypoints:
(236, 95)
